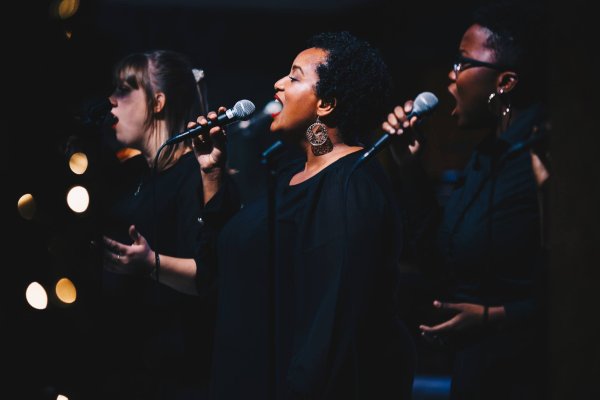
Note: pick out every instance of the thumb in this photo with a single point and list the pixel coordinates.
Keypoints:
(133, 234)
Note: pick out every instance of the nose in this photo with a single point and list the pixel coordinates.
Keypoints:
(113, 101)
(279, 84)
(452, 74)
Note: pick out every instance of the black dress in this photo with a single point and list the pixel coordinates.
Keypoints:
(337, 335)
(157, 341)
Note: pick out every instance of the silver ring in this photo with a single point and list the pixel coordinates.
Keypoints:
(118, 256)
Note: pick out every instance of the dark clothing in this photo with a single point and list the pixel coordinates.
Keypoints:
(488, 245)
(337, 335)
(161, 339)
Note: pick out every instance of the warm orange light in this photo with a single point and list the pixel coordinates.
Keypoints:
(65, 291)
(26, 206)
(67, 8)
(78, 162)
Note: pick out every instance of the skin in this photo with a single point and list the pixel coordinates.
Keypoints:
(130, 111)
(470, 89)
(301, 106)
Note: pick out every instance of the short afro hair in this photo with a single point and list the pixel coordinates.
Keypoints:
(518, 39)
(356, 77)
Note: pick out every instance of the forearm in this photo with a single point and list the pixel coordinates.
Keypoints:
(177, 273)
(496, 315)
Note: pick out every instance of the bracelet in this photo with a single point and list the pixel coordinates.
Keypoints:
(154, 273)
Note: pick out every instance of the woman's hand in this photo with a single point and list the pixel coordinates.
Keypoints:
(397, 122)
(468, 316)
(210, 149)
(134, 259)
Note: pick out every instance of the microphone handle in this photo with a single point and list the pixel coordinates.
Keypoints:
(379, 144)
(222, 119)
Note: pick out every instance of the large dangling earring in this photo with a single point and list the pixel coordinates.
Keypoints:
(316, 134)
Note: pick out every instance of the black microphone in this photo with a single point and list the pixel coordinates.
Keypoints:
(240, 111)
(424, 103)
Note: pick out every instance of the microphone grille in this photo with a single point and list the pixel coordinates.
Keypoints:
(243, 109)
(424, 103)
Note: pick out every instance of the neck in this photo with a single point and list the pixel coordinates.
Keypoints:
(338, 150)
(152, 141)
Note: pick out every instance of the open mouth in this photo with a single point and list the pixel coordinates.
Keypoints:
(276, 107)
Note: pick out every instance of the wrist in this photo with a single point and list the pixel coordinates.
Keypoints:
(212, 173)
(153, 262)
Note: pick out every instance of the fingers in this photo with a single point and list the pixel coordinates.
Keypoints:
(114, 251)
(133, 234)
(449, 306)
(443, 327)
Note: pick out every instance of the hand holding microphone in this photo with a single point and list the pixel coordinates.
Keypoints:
(208, 134)
(401, 118)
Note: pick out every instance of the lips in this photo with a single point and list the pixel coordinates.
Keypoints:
(112, 120)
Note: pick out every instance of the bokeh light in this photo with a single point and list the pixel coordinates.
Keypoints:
(78, 199)
(36, 296)
(78, 162)
(65, 291)
(26, 206)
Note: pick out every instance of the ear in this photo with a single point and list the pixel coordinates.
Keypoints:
(507, 81)
(159, 102)
(325, 107)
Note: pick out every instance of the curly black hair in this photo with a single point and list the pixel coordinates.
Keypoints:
(356, 77)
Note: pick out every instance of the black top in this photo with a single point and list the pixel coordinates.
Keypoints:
(336, 332)
(154, 328)
(489, 237)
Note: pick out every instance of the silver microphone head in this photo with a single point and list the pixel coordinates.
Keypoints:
(243, 109)
(424, 103)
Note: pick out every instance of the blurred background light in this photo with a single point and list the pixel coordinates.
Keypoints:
(78, 199)
(36, 296)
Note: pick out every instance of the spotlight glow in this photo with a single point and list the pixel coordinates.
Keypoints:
(26, 206)
(36, 296)
(67, 8)
(65, 291)
(78, 163)
(61, 397)
(78, 199)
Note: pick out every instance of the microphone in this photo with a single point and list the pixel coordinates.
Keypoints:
(248, 127)
(240, 111)
(424, 103)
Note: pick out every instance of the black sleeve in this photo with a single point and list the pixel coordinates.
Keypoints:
(216, 213)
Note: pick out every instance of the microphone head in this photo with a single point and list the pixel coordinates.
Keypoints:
(272, 107)
(424, 103)
(243, 109)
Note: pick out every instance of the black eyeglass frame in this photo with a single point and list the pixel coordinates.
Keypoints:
(462, 63)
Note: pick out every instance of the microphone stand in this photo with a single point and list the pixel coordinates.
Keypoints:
(268, 159)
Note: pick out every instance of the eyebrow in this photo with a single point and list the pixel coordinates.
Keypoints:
(295, 67)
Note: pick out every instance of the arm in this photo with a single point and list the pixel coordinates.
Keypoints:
(210, 151)
(139, 259)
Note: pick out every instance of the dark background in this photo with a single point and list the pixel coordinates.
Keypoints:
(243, 47)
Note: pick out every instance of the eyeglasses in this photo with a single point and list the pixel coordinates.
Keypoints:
(463, 63)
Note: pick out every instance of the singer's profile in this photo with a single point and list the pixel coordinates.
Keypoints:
(155, 97)
(489, 293)
(325, 324)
